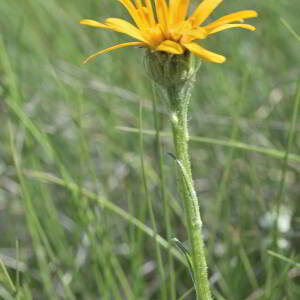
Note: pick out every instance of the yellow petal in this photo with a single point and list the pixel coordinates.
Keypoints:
(141, 12)
(194, 34)
(182, 10)
(178, 30)
(150, 13)
(203, 11)
(124, 27)
(234, 17)
(93, 23)
(178, 11)
(134, 14)
(114, 48)
(170, 47)
(162, 15)
(205, 54)
(228, 26)
(173, 8)
(181, 27)
(138, 3)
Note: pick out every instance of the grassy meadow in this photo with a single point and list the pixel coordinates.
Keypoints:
(74, 212)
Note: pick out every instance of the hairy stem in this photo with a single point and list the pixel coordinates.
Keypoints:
(174, 76)
(179, 96)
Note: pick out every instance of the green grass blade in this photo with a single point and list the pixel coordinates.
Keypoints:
(218, 142)
(150, 208)
(49, 178)
(163, 194)
(284, 258)
(290, 29)
(7, 277)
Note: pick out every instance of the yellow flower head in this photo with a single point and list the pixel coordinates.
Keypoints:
(169, 29)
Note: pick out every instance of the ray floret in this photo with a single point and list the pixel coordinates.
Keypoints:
(169, 28)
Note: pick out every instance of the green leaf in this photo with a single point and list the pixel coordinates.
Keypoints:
(5, 276)
(283, 258)
(186, 254)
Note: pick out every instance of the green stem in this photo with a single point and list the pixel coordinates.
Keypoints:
(179, 96)
(175, 76)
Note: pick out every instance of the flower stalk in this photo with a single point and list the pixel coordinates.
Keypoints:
(175, 77)
(192, 211)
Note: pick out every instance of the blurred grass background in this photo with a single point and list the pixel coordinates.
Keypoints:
(69, 162)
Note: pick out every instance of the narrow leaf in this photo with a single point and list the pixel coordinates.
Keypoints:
(186, 254)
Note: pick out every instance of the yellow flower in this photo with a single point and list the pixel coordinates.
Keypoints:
(169, 29)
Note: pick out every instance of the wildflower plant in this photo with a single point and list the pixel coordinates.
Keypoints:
(169, 34)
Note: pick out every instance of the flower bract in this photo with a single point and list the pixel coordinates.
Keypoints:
(165, 26)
